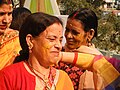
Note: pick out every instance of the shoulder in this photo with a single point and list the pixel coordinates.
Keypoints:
(12, 69)
(115, 62)
(63, 73)
(11, 73)
(8, 36)
(9, 31)
(64, 80)
(59, 72)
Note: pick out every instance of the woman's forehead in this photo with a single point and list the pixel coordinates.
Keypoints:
(74, 24)
(55, 29)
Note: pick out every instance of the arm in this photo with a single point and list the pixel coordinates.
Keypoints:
(4, 82)
(80, 59)
(96, 63)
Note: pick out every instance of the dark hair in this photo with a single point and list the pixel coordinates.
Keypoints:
(87, 18)
(6, 2)
(19, 15)
(34, 24)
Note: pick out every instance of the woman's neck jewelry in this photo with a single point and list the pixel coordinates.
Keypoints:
(44, 79)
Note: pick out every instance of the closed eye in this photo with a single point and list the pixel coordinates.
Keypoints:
(72, 31)
(2, 13)
(75, 32)
(51, 39)
(61, 39)
(67, 30)
(10, 13)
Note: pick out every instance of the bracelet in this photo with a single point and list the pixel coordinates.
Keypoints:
(75, 58)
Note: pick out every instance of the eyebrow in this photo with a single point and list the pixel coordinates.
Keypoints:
(1, 11)
(73, 28)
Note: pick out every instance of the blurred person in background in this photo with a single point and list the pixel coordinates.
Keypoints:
(19, 14)
(9, 41)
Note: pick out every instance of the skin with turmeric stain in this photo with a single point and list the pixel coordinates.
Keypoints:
(75, 34)
(5, 17)
(47, 45)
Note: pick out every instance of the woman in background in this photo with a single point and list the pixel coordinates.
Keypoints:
(19, 15)
(9, 40)
(81, 28)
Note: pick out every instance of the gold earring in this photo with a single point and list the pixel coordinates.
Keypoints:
(30, 47)
(89, 42)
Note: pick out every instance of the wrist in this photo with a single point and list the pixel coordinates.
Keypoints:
(75, 58)
(61, 56)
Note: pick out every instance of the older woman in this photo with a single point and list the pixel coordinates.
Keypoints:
(81, 28)
(40, 39)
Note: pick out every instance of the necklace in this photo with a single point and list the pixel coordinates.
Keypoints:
(4, 38)
(48, 81)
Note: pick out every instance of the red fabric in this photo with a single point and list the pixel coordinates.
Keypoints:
(15, 77)
(75, 58)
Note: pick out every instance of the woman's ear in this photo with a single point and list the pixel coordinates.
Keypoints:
(29, 41)
(91, 33)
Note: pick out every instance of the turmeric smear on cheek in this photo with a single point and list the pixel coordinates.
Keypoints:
(46, 46)
(79, 37)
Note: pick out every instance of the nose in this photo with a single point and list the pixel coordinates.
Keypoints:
(58, 45)
(6, 19)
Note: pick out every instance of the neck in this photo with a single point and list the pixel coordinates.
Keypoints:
(39, 69)
(44, 78)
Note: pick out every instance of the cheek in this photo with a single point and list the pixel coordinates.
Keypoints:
(42, 47)
(79, 37)
(0, 20)
(10, 18)
(43, 51)
(79, 40)
(47, 46)
(48, 56)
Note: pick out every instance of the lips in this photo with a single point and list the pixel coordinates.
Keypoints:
(70, 42)
(3, 27)
(55, 53)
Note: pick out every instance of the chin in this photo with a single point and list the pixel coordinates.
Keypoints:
(71, 47)
(54, 61)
